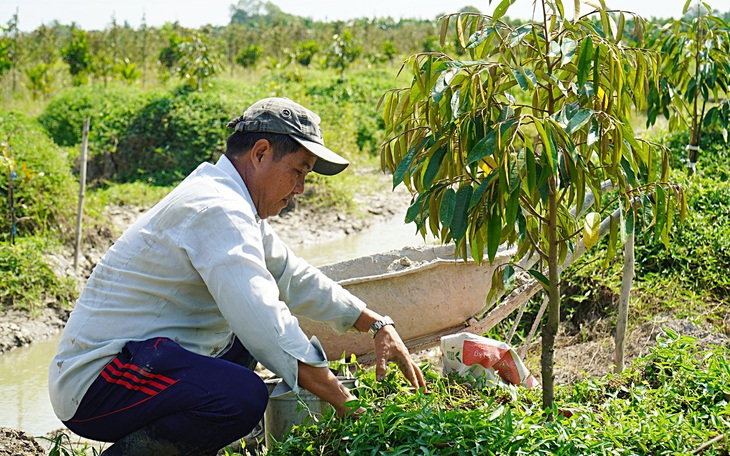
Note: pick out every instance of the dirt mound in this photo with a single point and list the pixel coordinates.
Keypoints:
(18, 443)
(23, 327)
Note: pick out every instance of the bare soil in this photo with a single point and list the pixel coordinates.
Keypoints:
(18, 443)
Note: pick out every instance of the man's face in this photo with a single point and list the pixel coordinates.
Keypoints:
(277, 182)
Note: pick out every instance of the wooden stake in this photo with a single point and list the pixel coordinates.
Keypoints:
(82, 192)
(11, 200)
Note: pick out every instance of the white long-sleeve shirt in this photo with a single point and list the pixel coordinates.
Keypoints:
(198, 268)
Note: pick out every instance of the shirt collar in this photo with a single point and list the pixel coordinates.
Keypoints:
(225, 165)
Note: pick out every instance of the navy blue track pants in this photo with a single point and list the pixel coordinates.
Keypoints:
(189, 398)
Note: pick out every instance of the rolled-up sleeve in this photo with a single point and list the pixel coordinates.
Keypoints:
(232, 263)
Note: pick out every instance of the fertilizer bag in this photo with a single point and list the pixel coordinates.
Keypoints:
(481, 357)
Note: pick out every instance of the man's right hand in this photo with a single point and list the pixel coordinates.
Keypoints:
(321, 382)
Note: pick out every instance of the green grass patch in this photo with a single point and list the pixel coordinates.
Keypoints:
(670, 402)
(44, 189)
(26, 280)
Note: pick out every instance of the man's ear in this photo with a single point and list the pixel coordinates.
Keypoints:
(260, 149)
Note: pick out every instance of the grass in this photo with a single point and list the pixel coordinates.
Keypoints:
(670, 402)
(26, 280)
(125, 194)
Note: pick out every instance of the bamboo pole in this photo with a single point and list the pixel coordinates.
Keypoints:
(623, 302)
(11, 201)
(535, 324)
(82, 192)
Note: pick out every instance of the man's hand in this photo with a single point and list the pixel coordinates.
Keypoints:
(321, 382)
(390, 348)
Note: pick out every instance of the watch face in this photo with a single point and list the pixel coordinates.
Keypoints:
(378, 325)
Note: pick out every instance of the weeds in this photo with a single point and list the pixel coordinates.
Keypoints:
(26, 281)
(670, 402)
(61, 445)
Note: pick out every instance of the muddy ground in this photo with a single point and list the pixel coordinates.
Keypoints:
(583, 350)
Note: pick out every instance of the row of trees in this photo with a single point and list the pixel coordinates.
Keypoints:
(54, 55)
(39, 58)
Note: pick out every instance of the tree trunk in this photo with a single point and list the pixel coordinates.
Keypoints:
(693, 148)
(623, 303)
(550, 330)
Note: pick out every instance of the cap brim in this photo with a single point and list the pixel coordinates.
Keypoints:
(328, 162)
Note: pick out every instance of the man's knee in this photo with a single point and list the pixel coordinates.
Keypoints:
(249, 401)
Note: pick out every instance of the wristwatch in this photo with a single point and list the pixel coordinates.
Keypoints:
(378, 325)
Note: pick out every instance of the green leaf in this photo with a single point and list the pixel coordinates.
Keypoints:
(554, 49)
(660, 212)
(516, 37)
(627, 227)
(461, 212)
(442, 84)
(483, 148)
(530, 169)
(414, 210)
(580, 118)
(530, 75)
(505, 114)
(612, 242)
(621, 24)
(446, 212)
(584, 60)
(521, 79)
(548, 153)
(478, 37)
(537, 275)
(477, 247)
(628, 170)
(591, 229)
(512, 207)
(404, 166)
(508, 279)
(479, 192)
(521, 227)
(434, 165)
(567, 48)
(494, 232)
(686, 7)
(501, 9)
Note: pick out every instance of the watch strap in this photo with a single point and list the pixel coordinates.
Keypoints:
(378, 325)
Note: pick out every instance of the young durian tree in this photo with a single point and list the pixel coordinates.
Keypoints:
(692, 87)
(498, 145)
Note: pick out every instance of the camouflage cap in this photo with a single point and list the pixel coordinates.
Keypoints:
(283, 116)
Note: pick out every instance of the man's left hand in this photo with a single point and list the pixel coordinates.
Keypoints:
(390, 348)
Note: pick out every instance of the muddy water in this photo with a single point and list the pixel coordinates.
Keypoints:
(24, 402)
(390, 235)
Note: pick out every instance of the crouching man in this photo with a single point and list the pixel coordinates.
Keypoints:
(159, 351)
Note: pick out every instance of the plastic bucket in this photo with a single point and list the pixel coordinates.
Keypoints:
(286, 409)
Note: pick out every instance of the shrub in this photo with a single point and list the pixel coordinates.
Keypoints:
(44, 188)
(249, 56)
(109, 107)
(173, 134)
(713, 159)
(26, 280)
(158, 137)
(698, 258)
